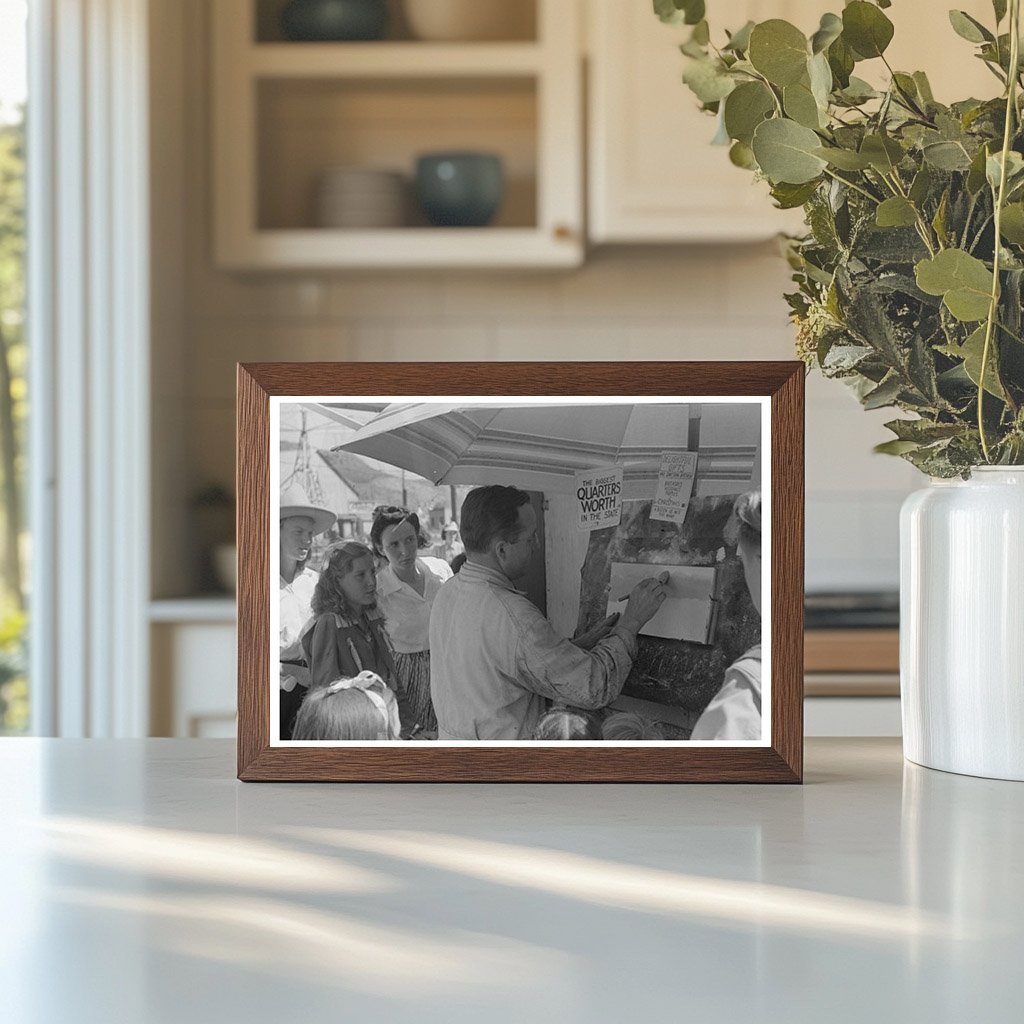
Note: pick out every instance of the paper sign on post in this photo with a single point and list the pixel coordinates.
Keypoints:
(598, 498)
(675, 485)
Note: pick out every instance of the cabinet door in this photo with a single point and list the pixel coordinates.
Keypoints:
(653, 174)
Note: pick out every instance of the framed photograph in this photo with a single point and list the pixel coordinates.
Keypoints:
(516, 572)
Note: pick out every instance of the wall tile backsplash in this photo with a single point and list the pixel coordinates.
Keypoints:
(718, 302)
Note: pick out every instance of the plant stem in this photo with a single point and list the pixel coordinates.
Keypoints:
(855, 187)
(993, 308)
(922, 225)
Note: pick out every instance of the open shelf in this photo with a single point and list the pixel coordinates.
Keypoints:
(393, 60)
(519, 18)
(287, 113)
(308, 127)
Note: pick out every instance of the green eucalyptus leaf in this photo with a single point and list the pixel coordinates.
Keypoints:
(841, 60)
(742, 155)
(923, 431)
(1012, 223)
(739, 41)
(858, 91)
(971, 352)
(924, 88)
(994, 168)
(939, 220)
(963, 281)
(844, 159)
(866, 29)
(785, 152)
(676, 12)
(896, 212)
(707, 80)
(820, 75)
(895, 447)
(885, 394)
(800, 105)
(946, 156)
(921, 185)
(968, 28)
(829, 30)
(779, 51)
(788, 196)
(906, 87)
(976, 174)
(745, 108)
(883, 153)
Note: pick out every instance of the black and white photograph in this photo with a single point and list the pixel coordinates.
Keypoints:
(494, 570)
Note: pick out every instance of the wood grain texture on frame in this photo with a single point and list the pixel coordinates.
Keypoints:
(780, 762)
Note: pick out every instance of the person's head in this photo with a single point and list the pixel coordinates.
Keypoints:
(626, 725)
(565, 724)
(344, 715)
(396, 535)
(300, 522)
(348, 581)
(747, 511)
(296, 539)
(499, 528)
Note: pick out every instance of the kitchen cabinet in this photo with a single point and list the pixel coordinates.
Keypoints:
(653, 175)
(286, 113)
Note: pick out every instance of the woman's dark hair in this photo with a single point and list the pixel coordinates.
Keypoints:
(394, 515)
(328, 595)
(489, 514)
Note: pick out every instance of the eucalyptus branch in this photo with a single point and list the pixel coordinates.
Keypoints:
(853, 185)
(993, 308)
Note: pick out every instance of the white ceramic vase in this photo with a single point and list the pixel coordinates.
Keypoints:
(962, 624)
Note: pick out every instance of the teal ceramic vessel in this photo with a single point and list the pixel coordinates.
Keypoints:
(460, 189)
(334, 21)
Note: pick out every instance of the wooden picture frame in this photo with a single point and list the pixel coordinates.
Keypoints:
(780, 386)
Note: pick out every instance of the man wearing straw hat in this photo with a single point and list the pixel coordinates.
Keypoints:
(300, 522)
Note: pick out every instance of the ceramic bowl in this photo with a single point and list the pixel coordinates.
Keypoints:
(460, 189)
(334, 20)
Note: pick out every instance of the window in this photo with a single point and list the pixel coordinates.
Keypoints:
(14, 704)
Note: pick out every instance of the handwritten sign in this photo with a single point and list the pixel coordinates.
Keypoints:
(675, 486)
(598, 498)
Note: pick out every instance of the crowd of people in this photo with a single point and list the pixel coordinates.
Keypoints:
(387, 643)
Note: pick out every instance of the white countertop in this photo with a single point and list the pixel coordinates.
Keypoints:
(143, 884)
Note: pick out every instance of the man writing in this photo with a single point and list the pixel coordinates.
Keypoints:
(495, 660)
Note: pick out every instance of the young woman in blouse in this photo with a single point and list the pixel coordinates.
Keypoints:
(406, 587)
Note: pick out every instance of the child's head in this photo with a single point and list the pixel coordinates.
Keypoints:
(346, 714)
(626, 725)
(563, 724)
